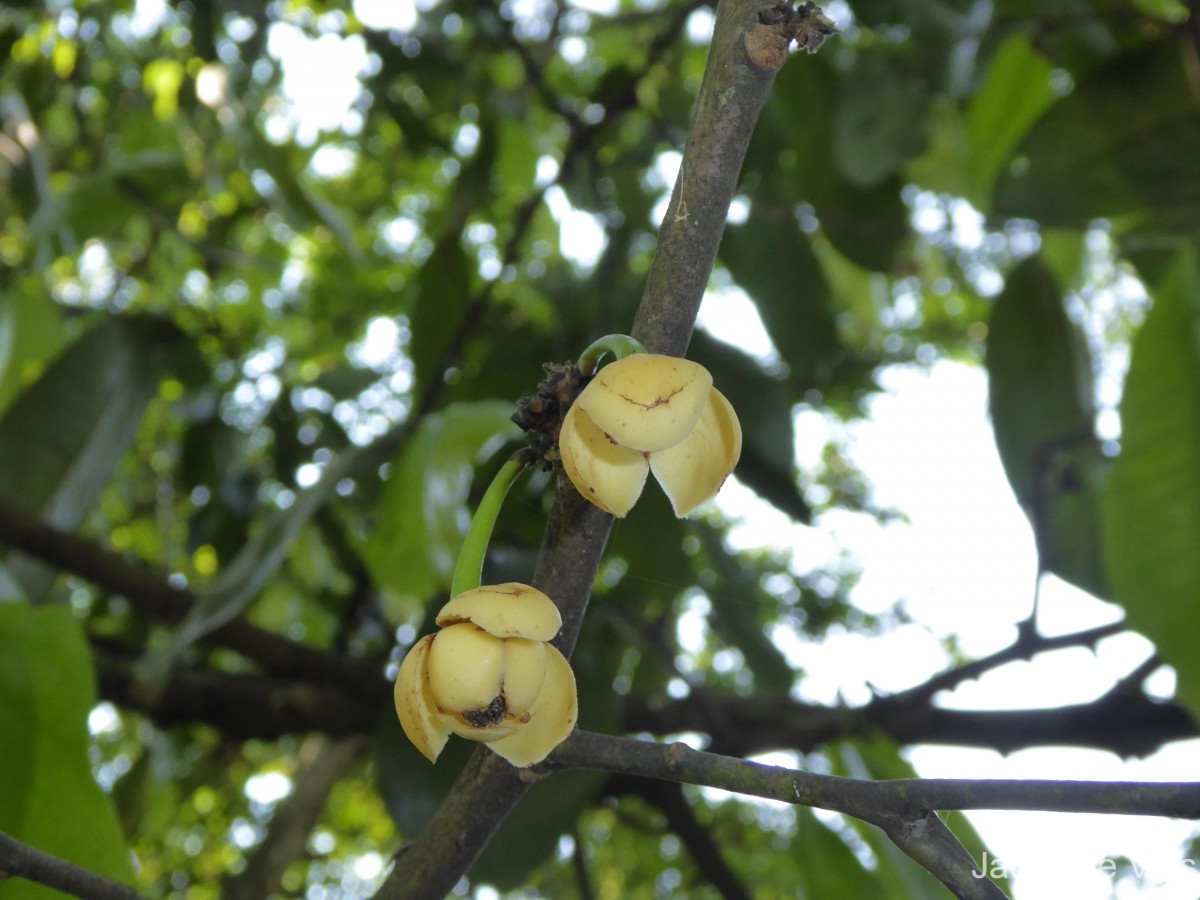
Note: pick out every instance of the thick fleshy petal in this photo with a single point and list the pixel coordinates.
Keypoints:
(693, 471)
(414, 703)
(466, 668)
(504, 611)
(646, 401)
(524, 674)
(551, 719)
(484, 733)
(610, 476)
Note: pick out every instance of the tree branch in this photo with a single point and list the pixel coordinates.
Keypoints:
(731, 94)
(240, 706)
(902, 808)
(1125, 723)
(705, 852)
(1027, 645)
(1122, 721)
(930, 842)
(731, 97)
(19, 860)
(154, 597)
(870, 799)
(583, 878)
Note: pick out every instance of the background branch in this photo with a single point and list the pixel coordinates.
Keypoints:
(741, 726)
(1027, 645)
(705, 851)
(241, 706)
(348, 692)
(323, 763)
(19, 860)
(151, 593)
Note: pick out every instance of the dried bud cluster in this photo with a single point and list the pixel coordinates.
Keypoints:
(541, 414)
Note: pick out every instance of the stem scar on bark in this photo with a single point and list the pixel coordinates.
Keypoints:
(768, 41)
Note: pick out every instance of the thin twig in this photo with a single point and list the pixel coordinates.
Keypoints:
(705, 851)
(579, 864)
(152, 594)
(323, 764)
(1025, 647)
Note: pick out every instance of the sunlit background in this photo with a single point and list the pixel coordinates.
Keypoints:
(958, 561)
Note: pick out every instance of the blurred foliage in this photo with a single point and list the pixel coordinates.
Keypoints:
(272, 276)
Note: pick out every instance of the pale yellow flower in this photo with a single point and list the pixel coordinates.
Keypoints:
(490, 675)
(650, 413)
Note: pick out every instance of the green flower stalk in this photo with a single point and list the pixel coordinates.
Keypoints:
(468, 572)
(619, 345)
(489, 673)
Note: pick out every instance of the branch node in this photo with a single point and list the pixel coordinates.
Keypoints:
(674, 755)
(531, 776)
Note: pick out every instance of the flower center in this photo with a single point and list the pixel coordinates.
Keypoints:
(492, 714)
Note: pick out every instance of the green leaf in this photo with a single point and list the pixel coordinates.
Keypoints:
(442, 293)
(240, 582)
(30, 335)
(792, 156)
(771, 259)
(1070, 530)
(1152, 505)
(48, 798)
(423, 514)
(62, 437)
(829, 868)
(412, 788)
(1039, 374)
(1015, 92)
(650, 541)
(104, 201)
(298, 200)
(516, 157)
(880, 122)
(1124, 143)
(1040, 386)
(734, 599)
